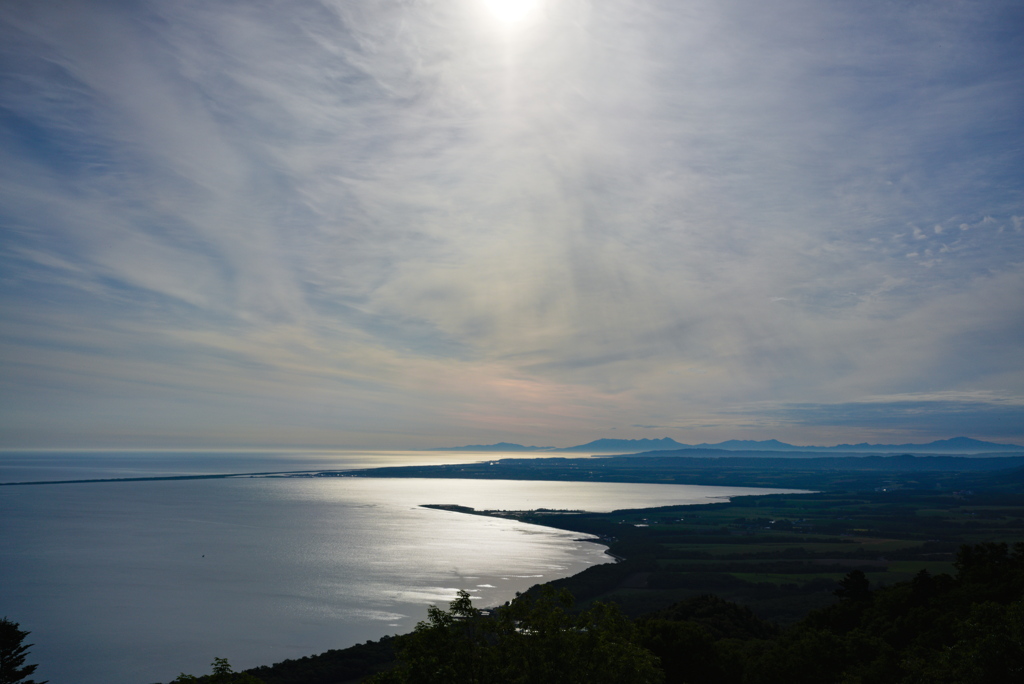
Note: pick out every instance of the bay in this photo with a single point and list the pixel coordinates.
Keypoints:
(134, 582)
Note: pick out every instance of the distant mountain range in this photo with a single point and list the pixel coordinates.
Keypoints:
(960, 445)
(500, 446)
(625, 445)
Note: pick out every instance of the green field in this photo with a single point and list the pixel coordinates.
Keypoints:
(782, 555)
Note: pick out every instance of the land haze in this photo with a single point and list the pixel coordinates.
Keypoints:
(961, 445)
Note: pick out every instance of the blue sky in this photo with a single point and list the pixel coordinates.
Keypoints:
(417, 223)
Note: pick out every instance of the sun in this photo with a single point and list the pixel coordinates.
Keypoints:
(511, 11)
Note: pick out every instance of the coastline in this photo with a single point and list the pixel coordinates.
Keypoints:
(778, 557)
(844, 533)
(330, 563)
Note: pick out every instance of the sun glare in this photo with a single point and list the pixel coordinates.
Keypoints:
(511, 11)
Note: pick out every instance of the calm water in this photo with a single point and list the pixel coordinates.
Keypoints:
(134, 582)
(31, 466)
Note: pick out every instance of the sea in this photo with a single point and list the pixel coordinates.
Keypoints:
(136, 581)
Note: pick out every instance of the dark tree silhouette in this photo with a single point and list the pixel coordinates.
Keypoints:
(533, 640)
(855, 587)
(12, 655)
(221, 674)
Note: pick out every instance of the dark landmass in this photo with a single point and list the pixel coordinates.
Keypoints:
(963, 445)
(956, 444)
(712, 467)
(897, 569)
(336, 666)
(692, 452)
(891, 586)
(780, 555)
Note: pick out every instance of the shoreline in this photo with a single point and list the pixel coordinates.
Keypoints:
(829, 513)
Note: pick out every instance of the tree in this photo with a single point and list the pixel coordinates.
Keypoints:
(854, 587)
(533, 640)
(221, 674)
(12, 654)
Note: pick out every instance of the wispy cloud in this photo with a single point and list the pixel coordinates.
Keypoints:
(402, 223)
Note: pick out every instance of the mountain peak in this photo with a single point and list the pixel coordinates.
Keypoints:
(627, 445)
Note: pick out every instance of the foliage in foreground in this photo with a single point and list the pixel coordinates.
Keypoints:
(534, 639)
(966, 628)
(351, 664)
(12, 654)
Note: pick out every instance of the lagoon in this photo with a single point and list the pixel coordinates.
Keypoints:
(134, 582)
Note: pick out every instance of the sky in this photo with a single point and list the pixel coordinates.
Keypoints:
(420, 223)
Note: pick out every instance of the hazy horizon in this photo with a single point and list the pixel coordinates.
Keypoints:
(460, 452)
(408, 224)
